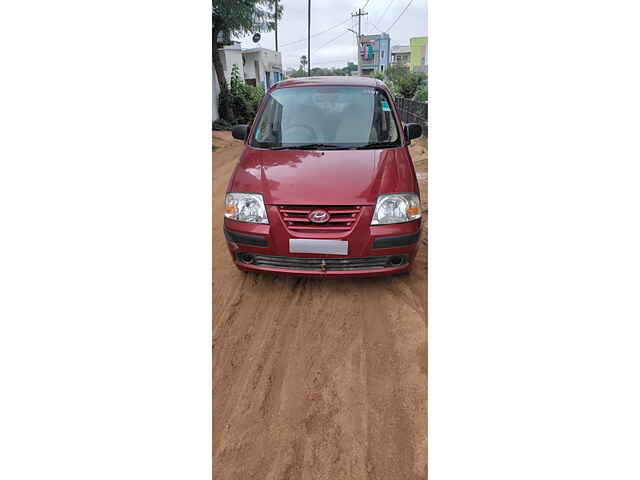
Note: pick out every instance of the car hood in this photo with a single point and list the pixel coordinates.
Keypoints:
(329, 177)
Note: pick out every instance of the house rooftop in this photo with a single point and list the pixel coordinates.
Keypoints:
(232, 46)
(375, 36)
(259, 49)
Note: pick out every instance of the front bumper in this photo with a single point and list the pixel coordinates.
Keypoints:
(374, 250)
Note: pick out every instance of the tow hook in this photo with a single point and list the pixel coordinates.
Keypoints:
(323, 266)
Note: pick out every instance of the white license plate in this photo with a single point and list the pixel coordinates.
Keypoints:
(307, 245)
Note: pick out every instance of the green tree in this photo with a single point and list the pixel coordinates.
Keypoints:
(238, 17)
(408, 84)
(302, 68)
(396, 72)
(242, 99)
(327, 72)
(351, 67)
(421, 93)
(301, 71)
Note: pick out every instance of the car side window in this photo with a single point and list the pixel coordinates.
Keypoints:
(384, 123)
(269, 128)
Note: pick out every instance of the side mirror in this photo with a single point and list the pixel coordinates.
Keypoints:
(240, 132)
(412, 130)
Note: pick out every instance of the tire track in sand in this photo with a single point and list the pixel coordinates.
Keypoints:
(316, 378)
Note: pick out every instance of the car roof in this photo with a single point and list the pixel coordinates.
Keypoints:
(329, 80)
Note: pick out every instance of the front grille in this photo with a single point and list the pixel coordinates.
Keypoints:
(342, 218)
(324, 264)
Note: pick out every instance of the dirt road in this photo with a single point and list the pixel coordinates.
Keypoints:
(316, 378)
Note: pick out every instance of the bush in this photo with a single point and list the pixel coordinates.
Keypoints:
(255, 95)
(396, 72)
(241, 109)
(392, 87)
(421, 94)
(404, 83)
(243, 99)
(238, 87)
(225, 99)
(221, 124)
(409, 83)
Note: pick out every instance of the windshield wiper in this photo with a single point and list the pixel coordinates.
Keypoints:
(311, 146)
(376, 145)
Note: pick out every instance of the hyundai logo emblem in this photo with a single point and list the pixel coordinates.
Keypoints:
(319, 216)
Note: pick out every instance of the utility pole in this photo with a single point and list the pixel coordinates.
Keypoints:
(309, 40)
(276, 29)
(360, 13)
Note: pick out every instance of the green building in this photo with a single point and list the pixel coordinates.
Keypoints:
(418, 59)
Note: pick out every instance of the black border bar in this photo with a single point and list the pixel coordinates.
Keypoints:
(396, 241)
(245, 238)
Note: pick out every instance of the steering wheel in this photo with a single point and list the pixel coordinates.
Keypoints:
(286, 132)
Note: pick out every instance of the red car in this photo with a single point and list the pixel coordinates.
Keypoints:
(325, 185)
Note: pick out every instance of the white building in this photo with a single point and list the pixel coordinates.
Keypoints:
(256, 66)
(401, 55)
(216, 92)
(262, 67)
(230, 55)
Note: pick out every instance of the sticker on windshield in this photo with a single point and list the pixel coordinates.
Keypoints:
(385, 107)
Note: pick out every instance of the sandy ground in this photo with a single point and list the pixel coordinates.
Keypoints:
(316, 378)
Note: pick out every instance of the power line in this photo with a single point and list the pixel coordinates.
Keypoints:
(316, 34)
(330, 41)
(377, 28)
(291, 55)
(326, 62)
(385, 10)
(398, 18)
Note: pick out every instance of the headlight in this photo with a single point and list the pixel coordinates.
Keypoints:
(396, 208)
(245, 207)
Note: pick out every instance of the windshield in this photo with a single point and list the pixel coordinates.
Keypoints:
(324, 117)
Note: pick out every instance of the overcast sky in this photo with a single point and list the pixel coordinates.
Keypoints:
(340, 45)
